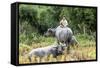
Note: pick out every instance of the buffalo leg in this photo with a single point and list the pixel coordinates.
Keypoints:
(29, 59)
(58, 42)
(68, 48)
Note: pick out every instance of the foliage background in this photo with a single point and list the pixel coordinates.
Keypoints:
(34, 20)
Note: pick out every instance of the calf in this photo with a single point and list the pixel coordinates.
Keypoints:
(45, 51)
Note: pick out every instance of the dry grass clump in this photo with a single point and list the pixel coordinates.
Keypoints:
(76, 54)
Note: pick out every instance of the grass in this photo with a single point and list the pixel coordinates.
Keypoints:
(85, 51)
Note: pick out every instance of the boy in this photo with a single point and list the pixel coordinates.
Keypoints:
(63, 22)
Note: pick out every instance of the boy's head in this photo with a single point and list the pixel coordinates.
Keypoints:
(64, 17)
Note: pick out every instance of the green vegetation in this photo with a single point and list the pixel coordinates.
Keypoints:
(34, 20)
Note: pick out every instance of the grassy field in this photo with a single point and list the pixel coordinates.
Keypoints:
(85, 51)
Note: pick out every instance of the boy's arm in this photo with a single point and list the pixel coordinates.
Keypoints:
(61, 22)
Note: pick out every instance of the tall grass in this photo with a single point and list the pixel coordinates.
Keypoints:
(85, 51)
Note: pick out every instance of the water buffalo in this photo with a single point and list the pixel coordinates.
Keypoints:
(45, 51)
(63, 35)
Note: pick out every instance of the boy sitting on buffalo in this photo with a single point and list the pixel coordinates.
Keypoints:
(63, 22)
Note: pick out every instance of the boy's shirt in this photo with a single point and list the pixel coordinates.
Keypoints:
(64, 23)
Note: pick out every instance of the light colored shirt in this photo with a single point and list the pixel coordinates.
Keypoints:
(64, 23)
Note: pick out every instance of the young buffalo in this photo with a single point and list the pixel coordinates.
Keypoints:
(45, 51)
